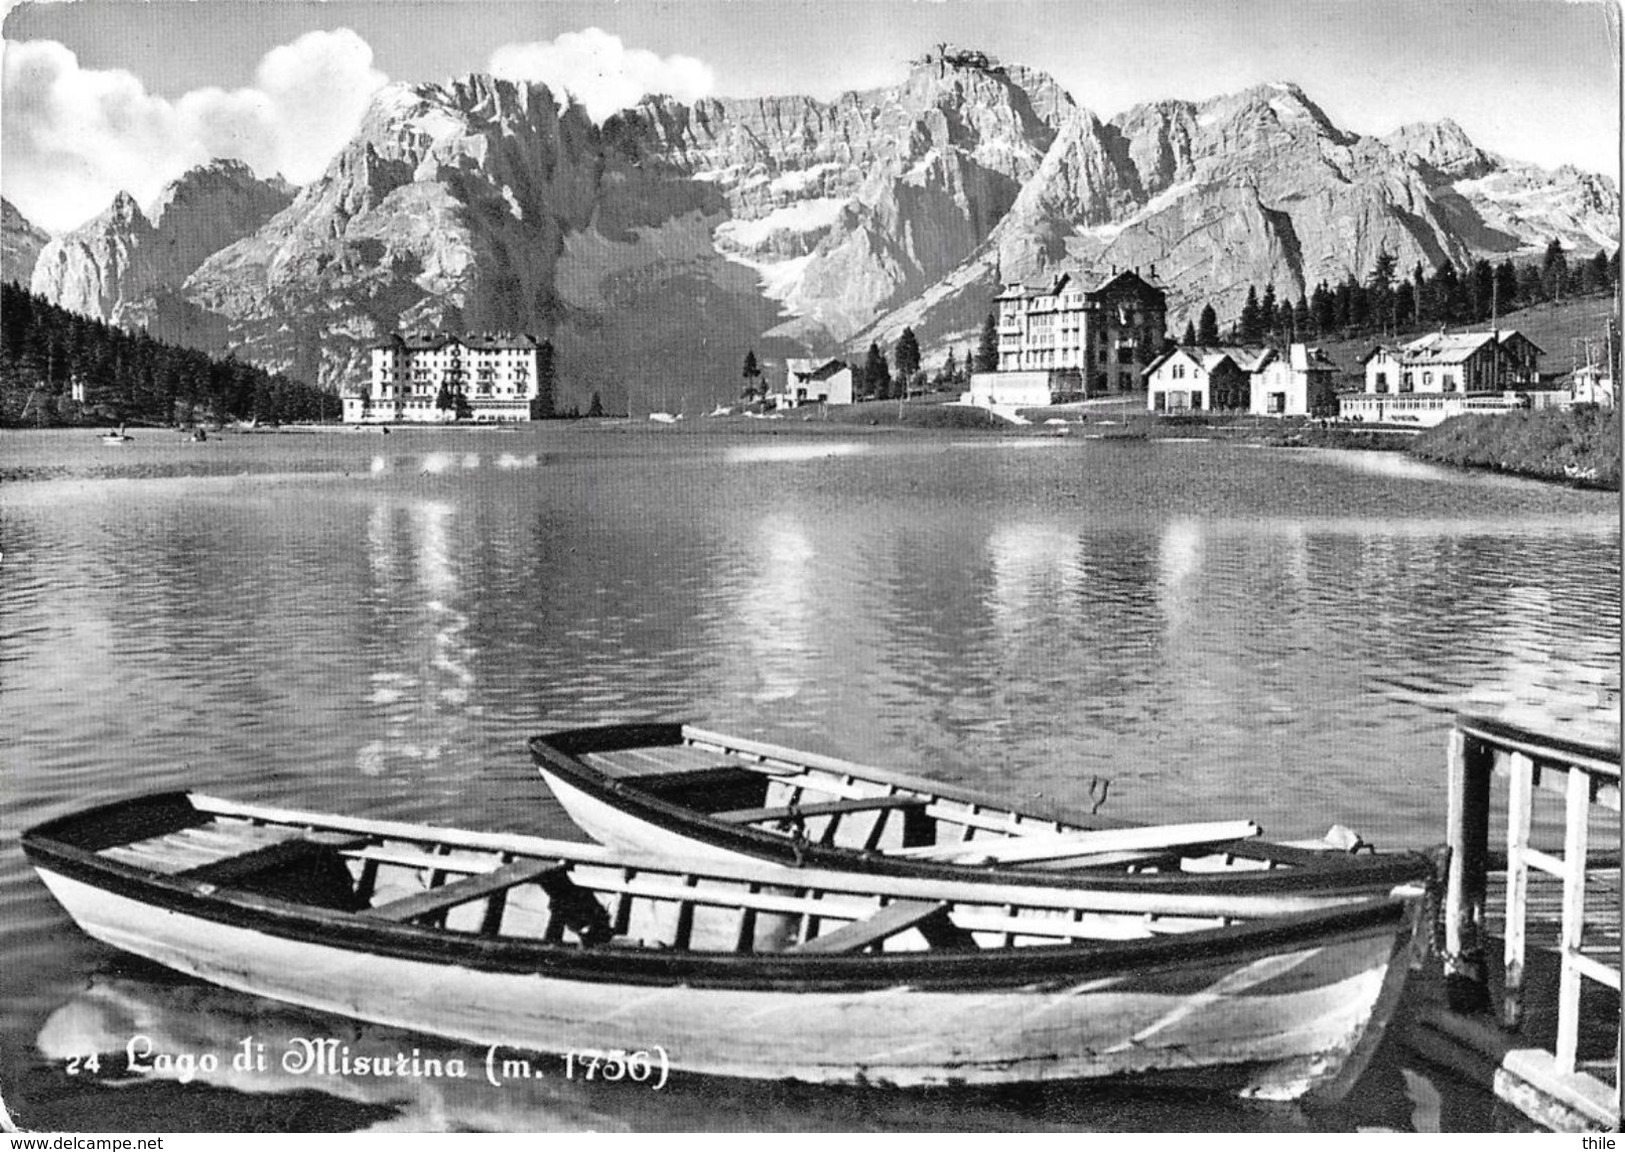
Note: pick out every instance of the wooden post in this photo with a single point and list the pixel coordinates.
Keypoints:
(1578, 811)
(1519, 802)
(1468, 830)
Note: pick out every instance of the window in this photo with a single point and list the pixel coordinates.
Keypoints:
(1179, 372)
(1196, 401)
(1382, 382)
(1427, 379)
(1409, 382)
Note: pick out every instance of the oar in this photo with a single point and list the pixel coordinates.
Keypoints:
(1057, 846)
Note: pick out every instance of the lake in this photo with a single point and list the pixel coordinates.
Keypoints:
(353, 622)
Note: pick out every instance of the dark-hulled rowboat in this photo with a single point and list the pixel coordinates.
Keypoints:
(536, 945)
(684, 790)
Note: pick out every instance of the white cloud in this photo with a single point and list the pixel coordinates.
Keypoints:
(600, 72)
(73, 137)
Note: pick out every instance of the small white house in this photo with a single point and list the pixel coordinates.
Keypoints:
(1284, 387)
(1592, 385)
(815, 382)
(1195, 378)
(1010, 389)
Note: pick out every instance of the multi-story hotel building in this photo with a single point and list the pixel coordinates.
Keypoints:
(438, 379)
(1106, 334)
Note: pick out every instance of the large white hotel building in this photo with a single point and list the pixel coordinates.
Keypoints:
(420, 379)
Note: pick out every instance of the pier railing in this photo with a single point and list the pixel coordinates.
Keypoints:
(1586, 776)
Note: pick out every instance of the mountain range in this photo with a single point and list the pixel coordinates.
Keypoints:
(656, 248)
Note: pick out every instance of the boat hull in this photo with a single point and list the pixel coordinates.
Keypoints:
(1263, 879)
(1273, 1022)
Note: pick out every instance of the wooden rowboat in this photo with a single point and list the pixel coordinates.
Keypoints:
(524, 945)
(686, 791)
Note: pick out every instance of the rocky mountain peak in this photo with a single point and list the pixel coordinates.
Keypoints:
(1442, 149)
(111, 267)
(124, 212)
(1266, 110)
(20, 244)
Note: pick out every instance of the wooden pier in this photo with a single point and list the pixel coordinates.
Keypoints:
(1542, 1024)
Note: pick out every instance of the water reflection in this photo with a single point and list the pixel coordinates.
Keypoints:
(776, 609)
(1035, 566)
(793, 452)
(424, 683)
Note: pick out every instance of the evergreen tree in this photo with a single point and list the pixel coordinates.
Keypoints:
(1268, 317)
(876, 373)
(1480, 288)
(545, 405)
(1404, 306)
(1554, 270)
(1380, 290)
(1419, 289)
(1207, 327)
(1250, 326)
(1597, 273)
(1190, 333)
(1343, 303)
(595, 407)
(1531, 287)
(1324, 309)
(752, 374)
(950, 370)
(1505, 297)
(1300, 319)
(908, 360)
(1448, 301)
(987, 352)
(1359, 304)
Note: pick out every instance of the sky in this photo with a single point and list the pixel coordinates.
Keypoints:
(104, 95)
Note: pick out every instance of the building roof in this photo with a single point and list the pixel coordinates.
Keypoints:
(1454, 347)
(1445, 347)
(1306, 359)
(826, 370)
(1247, 358)
(1051, 283)
(479, 341)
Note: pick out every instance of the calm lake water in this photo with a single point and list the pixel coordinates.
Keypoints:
(351, 622)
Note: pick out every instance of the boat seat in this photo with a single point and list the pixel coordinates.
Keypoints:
(469, 888)
(269, 858)
(724, 786)
(826, 808)
(930, 917)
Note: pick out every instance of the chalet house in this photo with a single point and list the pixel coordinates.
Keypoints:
(434, 379)
(1094, 333)
(1193, 378)
(1454, 362)
(1445, 374)
(1286, 386)
(815, 382)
